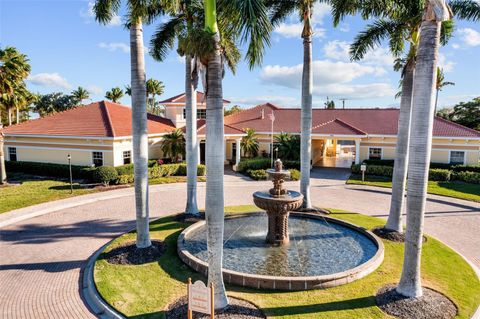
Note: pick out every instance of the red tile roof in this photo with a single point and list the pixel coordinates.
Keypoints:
(98, 119)
(337, 121)
(228, 130)
(180, 98)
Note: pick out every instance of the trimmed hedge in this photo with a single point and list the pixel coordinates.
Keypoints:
(105, 175)
(437, 174)
(468, 177)
(467, 168)
(294, 174)
(173, 170)
(378, 162)
(258, 174)
(128, 168)
(51, 169)
(434, 174)
(257, 163)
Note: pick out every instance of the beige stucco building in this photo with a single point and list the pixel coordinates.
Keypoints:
(100, 134)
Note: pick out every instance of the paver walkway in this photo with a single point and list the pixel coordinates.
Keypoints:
(41, 258)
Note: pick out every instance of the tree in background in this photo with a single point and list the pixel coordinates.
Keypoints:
(249, 143)
(439, 84)
(464, 113)
(288, 146)
(154, 88)
(14, 69)
(115, 94)
(234, 109)
(53, 103)
(330, 105)
(80, 94)
(173, 145)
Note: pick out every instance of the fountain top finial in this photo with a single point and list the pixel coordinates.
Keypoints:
(278, 165)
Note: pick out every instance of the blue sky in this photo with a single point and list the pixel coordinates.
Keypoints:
(67, 49)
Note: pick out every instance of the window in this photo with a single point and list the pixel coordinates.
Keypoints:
(457, 157)
(374, 153)
(201, 114)
(97, 158)
(12, 153)
(127, 157)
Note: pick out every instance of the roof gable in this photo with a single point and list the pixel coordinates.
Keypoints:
(181, 99)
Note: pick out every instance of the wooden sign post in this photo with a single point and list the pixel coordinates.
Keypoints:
(200, 298)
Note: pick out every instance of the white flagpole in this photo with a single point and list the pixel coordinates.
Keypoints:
(272, 118)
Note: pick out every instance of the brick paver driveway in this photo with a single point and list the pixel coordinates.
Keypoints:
(41, 258)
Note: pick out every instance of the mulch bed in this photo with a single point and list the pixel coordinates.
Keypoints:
(237, 309)
(391, 235)
(129, 254)
(188, 218)
(432, 305)
(388, 234)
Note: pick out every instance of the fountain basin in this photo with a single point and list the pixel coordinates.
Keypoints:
(327, 253)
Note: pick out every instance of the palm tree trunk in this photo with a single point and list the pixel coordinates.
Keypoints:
(140, 134)
(3, 172)
(191, 140)
(436, 102)
(18, 116)
(306, 122)
(420, 150)
(9, 111)
(215, 153)
(394, 221)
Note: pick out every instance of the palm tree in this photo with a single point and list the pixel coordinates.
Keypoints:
(80, 94)
(249, 20)
(128, 90)
(249, 143)
(288, 146)
(137, 12)
(183, 25)
(154, 87)
(465, 9)
(19, 100)
(421, 143)
(439, 84)
(115, 94)
(173, 145)
(280, 10)
(14, 69)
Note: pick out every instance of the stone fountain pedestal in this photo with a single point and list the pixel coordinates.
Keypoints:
(278, 203)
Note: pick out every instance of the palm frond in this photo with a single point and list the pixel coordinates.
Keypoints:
(280, 9)
(466, 9)
(164, 37)
(105, 10)
(446, 31)
(371, 37)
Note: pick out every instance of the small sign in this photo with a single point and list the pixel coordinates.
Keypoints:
(363, 167)
(200, 298)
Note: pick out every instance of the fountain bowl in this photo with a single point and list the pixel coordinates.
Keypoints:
(249, 249)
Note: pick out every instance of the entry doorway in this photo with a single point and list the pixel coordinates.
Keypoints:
(202, 152)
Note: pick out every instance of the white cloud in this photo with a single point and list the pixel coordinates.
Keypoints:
(456, 46)
(293, 28)
(447, 66)
(89, 16)
(114, 46)
(339, 50)
(332, 78)
(285, 101)
(470, 37)
(49, 79)
(93, 89)
(344, 27)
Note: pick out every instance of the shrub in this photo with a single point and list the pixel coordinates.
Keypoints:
(256, 163)
(126, 169)
(374, 170)
(440, 166)
(50, 169)
(466, 168)
(258, 174)
(125, 179)
(437, 174)
(379, 162)
(105, 175)
(294, 174)
(468, 177)
(289, 164)
(173, 170)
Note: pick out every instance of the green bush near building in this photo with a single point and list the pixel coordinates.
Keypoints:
(257, 163)
(50, 169)
(105, 175)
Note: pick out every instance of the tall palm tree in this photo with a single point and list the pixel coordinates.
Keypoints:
(185, 21)
(137, 12)
(436, 11)
(249, 20)
(80, 94)
(115, 94)
(249, 143)
(173, 144)
(154, 88)
(19, 100)
(280, 9)
(440, 83)
(14, 69)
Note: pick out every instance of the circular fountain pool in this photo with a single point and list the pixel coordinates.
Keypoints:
(322, 252)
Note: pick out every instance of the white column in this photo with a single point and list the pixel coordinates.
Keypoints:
(357, 151)
(237, 148)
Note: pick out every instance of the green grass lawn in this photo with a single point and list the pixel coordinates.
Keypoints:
(26, 190)
(145, 291)
(451, 189)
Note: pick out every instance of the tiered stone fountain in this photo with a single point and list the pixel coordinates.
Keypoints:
(278, 203)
